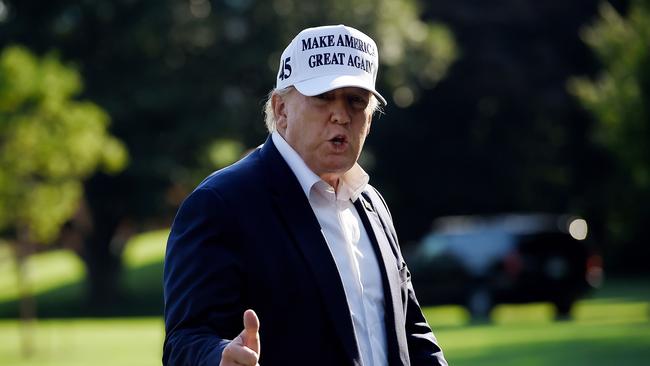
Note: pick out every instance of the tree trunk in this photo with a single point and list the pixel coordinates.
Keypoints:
(27, 304)
(106, 209)
(103, 268)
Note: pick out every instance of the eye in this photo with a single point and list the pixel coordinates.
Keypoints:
(324, 96)
(358, 101)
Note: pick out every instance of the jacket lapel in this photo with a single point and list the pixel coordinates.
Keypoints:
(298, 216)
(394, 314)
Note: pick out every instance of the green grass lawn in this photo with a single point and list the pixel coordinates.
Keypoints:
(549, 344)
(612, 327)
(84, 342)
(603, 332)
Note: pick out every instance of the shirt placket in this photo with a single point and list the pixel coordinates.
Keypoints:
(352, 248)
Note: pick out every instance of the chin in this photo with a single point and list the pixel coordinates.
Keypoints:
(339, 169)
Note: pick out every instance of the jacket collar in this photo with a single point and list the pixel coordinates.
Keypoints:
(384, 247)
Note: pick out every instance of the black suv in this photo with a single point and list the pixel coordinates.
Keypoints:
(479, 262)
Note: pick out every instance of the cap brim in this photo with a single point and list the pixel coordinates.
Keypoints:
(323, 84)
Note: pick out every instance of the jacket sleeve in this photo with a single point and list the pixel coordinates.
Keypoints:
(422, 343)
(202, 282)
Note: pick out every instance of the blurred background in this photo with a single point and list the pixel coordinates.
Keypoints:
(509, 123)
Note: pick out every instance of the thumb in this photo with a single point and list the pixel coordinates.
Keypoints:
(250, 335)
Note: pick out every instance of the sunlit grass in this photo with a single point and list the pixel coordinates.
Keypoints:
(85, 342)
(45, 271)
(146, 248)
(586, 311)
(612, 311)
(446, 316)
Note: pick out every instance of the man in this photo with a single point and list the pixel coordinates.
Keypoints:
(293, 238)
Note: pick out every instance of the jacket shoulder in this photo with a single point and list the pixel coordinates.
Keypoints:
(236, 177)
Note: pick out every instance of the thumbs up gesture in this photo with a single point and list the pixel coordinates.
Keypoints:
(245, 348)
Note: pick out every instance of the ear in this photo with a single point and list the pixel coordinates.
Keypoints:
(279, 111)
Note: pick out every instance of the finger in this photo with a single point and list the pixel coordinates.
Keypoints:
(239, 355)
(250, 335)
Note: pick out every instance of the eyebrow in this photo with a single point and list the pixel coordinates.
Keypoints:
(360, 94)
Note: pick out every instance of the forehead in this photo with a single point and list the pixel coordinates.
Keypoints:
(350, 90)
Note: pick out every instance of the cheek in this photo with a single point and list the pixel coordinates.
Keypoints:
(364, 131)
(281, 124)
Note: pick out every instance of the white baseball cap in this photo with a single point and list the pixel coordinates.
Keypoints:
(324, 58)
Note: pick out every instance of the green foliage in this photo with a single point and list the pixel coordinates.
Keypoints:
(416, 53)
(49, 143)
(619, 99)
(223, 152)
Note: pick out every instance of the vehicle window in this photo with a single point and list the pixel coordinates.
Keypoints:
(433, 245)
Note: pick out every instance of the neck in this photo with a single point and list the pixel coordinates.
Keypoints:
(331, 179)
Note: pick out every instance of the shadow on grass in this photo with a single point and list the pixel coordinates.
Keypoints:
(141, 295)
(624, 288)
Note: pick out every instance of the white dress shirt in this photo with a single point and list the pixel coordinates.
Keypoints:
(350, 247)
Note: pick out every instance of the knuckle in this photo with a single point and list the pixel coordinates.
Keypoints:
(226, 352)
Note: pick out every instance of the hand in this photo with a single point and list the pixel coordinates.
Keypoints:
(244, 350)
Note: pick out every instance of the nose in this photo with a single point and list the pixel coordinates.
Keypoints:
(339, 112)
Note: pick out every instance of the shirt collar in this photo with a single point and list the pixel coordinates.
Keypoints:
(351, 184)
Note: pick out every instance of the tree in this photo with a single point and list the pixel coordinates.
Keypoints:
(619, 100)
(178, 77)
(49, 144)
(500, 133)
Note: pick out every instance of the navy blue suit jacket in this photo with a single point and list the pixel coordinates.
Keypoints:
(248, 238)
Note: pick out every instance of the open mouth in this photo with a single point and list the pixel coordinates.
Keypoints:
(338, 140)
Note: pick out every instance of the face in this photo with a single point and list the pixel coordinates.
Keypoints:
(326, 130)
